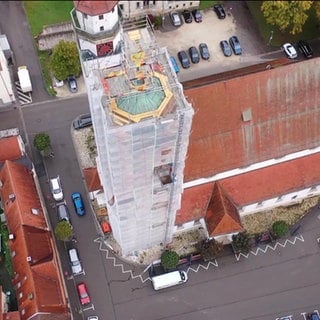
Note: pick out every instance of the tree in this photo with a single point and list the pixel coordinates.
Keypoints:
(317, 8)
(41, 141)
(280, 228)
(209, 249)
(63, 230)
(286, 15)
(169, 259)
(65, 60)
(241, 242)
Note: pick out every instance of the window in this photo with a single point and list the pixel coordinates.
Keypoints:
(101, 28)
(101, 17)
(121, 7)
(18, 284)
(23, 311)
(137, 5)
(294, 197)
(35, 211)
(85, 15)
(13, 254)
(20, 295)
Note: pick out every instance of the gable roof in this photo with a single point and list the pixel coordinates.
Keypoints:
(10, 148)
(273, 181)
(92, 179)
(34, 257)
(93, 8)
(285, 115)
(222, 216)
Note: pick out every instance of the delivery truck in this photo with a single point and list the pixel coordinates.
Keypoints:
(24, 79)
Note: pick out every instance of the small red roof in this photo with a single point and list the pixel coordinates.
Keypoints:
(92, 179)
(10, 148)
(222, 216)
(93, 8)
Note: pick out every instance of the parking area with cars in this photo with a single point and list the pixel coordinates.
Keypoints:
(210, 31)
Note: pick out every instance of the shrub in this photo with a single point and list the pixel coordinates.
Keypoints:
(241, 242)
(63, 230)
(280, 228)
(209, 249)
(169, 259)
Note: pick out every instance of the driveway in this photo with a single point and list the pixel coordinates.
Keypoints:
(212, 31)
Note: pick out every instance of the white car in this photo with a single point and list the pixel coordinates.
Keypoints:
(92, 318)
(290, 51)
(56, 189)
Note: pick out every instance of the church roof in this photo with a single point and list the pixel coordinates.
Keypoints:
(93, 8)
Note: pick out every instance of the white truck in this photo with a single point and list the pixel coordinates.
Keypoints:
(24, 79)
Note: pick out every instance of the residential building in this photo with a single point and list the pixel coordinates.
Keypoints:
(37, 279)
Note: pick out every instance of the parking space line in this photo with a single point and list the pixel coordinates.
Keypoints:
(89, 308)
(269, 247)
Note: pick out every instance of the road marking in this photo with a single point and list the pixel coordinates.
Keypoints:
(24, 98)
(89, 308)
(269, 247)
(103, 247)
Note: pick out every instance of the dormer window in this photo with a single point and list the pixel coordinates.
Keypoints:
(101, 17)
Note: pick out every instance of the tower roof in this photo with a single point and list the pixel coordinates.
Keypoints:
(93, 8)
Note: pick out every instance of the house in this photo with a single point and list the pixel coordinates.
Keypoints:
(37, 279)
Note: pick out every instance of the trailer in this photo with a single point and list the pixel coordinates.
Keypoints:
(24, 79)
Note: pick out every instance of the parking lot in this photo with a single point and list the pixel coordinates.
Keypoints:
(211, 31)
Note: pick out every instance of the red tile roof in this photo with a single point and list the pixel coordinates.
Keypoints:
(194, 203)
(41, 283)
(222, 216)
(284, 104)
(92, 179)
(93, 8)
(10, 148)
(273, 181)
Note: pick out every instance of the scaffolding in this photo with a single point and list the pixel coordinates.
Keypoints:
(142, 123)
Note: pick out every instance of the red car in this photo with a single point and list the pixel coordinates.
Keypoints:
(83, 293)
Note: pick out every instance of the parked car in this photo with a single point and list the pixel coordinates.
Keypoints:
(72, 84)
(204, 51)
(63, 212)
(57, 83)
(219, 11)
(187, 16)
(197, 15)
(56, 189)
(224, 45)
(194, 55)
(74, 261)
(78, 203)
(313, 316)
(83, 293)
(235, 45)
(92, 318)
(305, 48)
(174, 64)
(289, 50)
(82, 121)
(184, 59)
(175, 18)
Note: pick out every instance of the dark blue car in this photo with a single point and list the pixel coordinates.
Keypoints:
(78, 203)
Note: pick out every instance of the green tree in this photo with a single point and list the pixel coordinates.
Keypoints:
(280, 228)
(286, 15)
(241, 242)
(41, 141)
(169, 259)
(63, 230)
(65, 60)
(317, 8)
(209, 249)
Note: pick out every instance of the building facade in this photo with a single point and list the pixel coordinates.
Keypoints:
(141, 123)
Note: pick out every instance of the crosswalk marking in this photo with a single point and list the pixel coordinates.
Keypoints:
(24, 98)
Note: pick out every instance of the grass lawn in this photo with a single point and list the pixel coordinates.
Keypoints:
(40, 13)
(309, 31)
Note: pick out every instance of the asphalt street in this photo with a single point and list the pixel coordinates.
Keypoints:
(274, 283)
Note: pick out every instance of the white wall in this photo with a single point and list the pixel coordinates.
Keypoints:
(6, 89)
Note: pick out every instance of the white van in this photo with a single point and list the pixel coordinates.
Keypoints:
(75, 262)
(170, 279)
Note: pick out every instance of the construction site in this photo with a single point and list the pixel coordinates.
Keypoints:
(142, 123)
